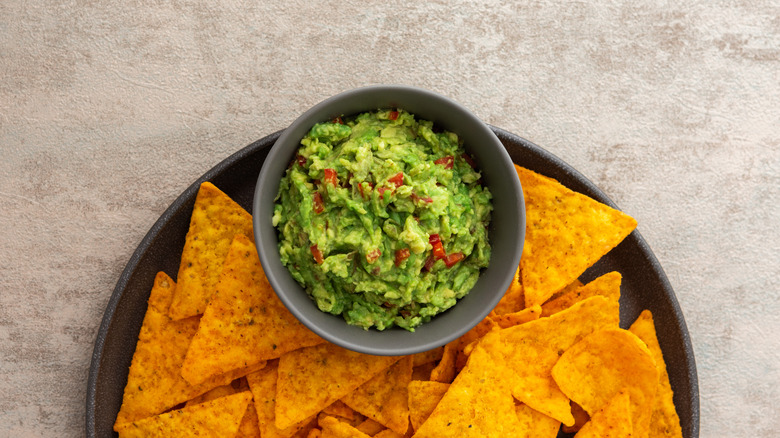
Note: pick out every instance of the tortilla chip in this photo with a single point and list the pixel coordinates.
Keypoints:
(608, 285)
(370, 427)
(478, 403)
(427, 356)
(664, 421)
(534, 424)
(612, 421)
(245, 323)
(531, 350)
(154, 382)
(580, 418)
(314, 433)
(516, 318)
(384, 398)
(219, 391)
(513, 299)
(423, 372)
(217, 418)
(339, 409)
(215, 220)
(333, 428)
(250, 425)
(566, 233)
(604, 363)
(312, 378)
(423, 398)
(444, 371)
(263, 387)
(388, 433)
(471, 337)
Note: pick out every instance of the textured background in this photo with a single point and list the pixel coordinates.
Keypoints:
(108, 110)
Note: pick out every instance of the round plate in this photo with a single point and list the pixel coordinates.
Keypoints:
(644, 285)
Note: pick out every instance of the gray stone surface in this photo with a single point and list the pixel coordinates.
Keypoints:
(108, 110)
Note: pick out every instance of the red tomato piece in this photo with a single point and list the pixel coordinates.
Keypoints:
(453, 258)
(393, 115)
(338, 120)
(331, 177)
(446, 161)
(382, 191)
(317, 254)
(438, 248)
(319, 206)
(401, 255)
(429, 263)
(397, 179)
(373, 255)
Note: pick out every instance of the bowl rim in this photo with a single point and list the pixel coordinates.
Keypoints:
(267, 186)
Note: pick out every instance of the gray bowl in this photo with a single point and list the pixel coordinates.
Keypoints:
(506, 232)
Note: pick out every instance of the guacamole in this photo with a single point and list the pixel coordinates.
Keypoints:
(382, 219)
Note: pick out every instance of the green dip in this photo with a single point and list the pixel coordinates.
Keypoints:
(383, 220)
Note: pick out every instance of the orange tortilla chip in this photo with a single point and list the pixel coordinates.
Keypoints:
(513, 299)
(384, 398)
(427, 356)
(219, 391)
(245, 323)
(263, 387)
(215, 220)
(154, 382)
(477, 404)
(612, 421)
(423, 372)
(333, 428)
(217, 418)
(608, 285)
(389, 433)
(314, 433)
(370, 427)
(423, 398)
(516, 318)
(531, 350)
(312, 378)
(566, 233)
(664, 421)
(339, 409)
(594, 370)
(580, 418)
(249, 424)
(444, 371)
(534, 424)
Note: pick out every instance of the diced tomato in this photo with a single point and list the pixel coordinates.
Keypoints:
(338, 120)
(331, 177)
(319, 206)
(429, 263)
(469, 160)
(373, 255)
(397, 179)
(362, 190)
(438, 248)
(301, 160)
(446, 161)
(317, 254)
(401, 255)
(393, 115)
(382, 191)
(426, 199)
(453, 258)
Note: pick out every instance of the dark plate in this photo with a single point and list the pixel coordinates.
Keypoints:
(644, 286)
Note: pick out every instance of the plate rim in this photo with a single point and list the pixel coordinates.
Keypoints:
(587, 187)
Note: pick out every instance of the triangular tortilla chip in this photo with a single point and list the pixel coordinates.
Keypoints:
(664, 422)
(521, 317)
(531, 350)
(333, 428)
(339, 409)
(217, 418)
(513, 299)
(427, 356)
(245, 323)
(566, 233)
(612, 421)
(423, 398)
(605, 363)
(263, 387)
(215, 220)
(384, 398)
(311, 378)
(534, 424)
(370, 427)
(608, 285)
(477, 404)
(154, 382)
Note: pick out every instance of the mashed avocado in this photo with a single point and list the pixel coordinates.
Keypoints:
(382, 219)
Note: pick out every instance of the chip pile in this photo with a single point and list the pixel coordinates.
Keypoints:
(219, 355)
